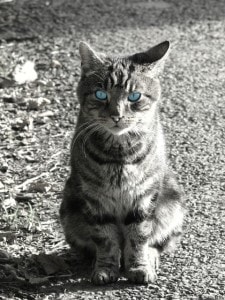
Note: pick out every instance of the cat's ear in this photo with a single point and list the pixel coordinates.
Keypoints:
(152, 61)
(90, 60)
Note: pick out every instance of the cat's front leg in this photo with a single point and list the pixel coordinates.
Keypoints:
(141, 261)
(106, 269)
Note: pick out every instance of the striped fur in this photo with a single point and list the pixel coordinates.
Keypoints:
(121, 200)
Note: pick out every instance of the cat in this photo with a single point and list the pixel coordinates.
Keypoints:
(121, 201)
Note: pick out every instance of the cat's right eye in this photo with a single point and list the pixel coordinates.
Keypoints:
(134, 97)
(101, 95)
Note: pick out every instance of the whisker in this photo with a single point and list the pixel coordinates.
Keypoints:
(83, 124)
(88, 135)
(80, 133)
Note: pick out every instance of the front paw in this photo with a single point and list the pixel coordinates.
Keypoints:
(104, 276)
(141, 275)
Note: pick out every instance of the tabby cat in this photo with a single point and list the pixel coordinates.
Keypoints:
(121, 201)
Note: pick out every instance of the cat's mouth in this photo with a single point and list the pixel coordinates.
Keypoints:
(118, 130)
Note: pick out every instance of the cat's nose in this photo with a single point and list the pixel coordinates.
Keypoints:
(116, 119)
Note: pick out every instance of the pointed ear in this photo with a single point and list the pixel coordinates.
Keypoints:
(152, 61)
(90, 61)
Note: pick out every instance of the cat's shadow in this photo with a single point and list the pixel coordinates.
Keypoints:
(83, 284)
(80, 267)
(73, 277)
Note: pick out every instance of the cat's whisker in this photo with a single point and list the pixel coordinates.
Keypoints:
(88, 135)
(80, 133)
(99, 128)
(83, 125)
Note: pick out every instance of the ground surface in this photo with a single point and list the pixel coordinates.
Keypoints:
(37, 121)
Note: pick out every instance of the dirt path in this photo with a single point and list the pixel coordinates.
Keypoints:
(37, 121)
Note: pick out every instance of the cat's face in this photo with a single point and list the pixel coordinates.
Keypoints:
(118, 95)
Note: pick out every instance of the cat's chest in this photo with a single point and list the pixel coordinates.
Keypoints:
(124, 191)
(123, 176)
(122, 186)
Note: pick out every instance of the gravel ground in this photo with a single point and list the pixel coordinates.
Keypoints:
(37, 120)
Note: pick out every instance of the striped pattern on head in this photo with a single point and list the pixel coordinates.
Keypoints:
(120, 95)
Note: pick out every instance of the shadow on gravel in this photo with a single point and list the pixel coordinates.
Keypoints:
(83, 285)
(30, 19)
(46, 274)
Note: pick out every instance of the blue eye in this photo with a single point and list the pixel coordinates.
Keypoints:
(135, 96)
(101, 95)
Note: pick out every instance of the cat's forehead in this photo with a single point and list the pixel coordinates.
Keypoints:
(120, 64)
(119, 72)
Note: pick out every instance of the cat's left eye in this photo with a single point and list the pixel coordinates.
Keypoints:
(101, 95)
(135, 96)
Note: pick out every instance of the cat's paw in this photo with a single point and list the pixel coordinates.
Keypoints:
(154, 258)
(104, 276)
(141, 275)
